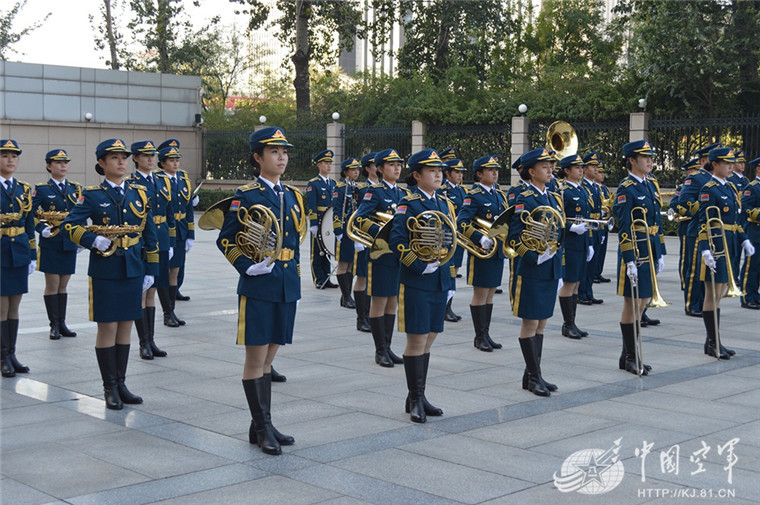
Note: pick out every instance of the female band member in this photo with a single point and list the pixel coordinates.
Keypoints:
(635, 199)
(720, 198)
(423, 284)
(361, 254)
(538, 273)
(344, 202)
(58, 255)
(18, 252)
(453, 190)
(484, 275)
(118, 273)
(383, 270)
(269, 288)
(578, 249)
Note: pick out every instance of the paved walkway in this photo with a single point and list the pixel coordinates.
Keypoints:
(496, 444)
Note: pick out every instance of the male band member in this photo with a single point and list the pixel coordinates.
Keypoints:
(361, 254)
(456, 193)
(682, 215)
(688, 201)
(586, 287)
(58, 255)
(750, 275)
(319, 192)
(344, 202)
(645, 319)
(514, 259)
(603, 231)
(159, 190)
(739, 182)
(18, 253)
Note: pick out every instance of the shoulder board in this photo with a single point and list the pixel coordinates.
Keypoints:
(442, 197)
(184, 172)
(406, 190)
(628, 182)
(292, 188)
(315, 179)
(711, 184)
(25, 184)
(412, 196)
(92, 188)
(248, 187)
(378, 185)
(475, 191)
(444, 187)
(138, 187)
(528, 192)
(340, 184)
(161, 174)
(754, 183)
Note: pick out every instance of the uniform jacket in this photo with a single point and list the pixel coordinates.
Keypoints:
(688, 200)
(487, 205)
(751, 210)
(680, 210)
(283, 283)
(103, 206)
(412, 267)
(577, 203)
(724, 197)
(632, 194)
(49, 197)
(739, 181)
(379, 197)
(455, 194)
(344, 202)
(19, 247)
(318, 197)
(182, 195)
(160, 194)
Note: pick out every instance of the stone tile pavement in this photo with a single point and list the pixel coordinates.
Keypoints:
(496, 444)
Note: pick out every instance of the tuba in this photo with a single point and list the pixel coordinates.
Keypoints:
(561, 137)
(640, 233)
(52, 218)
(432, 236)
(716, 232)
(544, 229)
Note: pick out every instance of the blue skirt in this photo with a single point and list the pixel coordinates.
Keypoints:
(574, 265)
(458, 257)
(51, 261)
(485, 273)
(178, 260)
(262, 323)
(420, 312)
(534, 298)
(361, 260)
(645, 281)
(345, 249)
(382, 280)
(114, 300)
(162, 279)
(14, 281)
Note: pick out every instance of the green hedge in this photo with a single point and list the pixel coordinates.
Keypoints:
(209, 197)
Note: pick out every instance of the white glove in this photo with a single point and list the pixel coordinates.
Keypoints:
(359, 247)
(545, 256)
(148, 282)
(579, 228)
(631, 271)
(749, 249)
(314, 229)
(604, 237)
(171, 252)
(32, 267)
(101, 243)
(559, 286)
(46, 232)
(196, 199)
(260, 268)
(590, 253)
(189, 244)
(485, 242)
(339, 237)
(660, 265)
(80, 249)
(431, 267)
(709, 259)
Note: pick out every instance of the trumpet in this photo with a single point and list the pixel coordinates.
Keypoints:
(432, 236)
(595, 224)
(672, 216)
(119, 235)
(544, 229)
(52, 218)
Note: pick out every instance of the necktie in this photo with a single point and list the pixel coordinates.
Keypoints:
(150, 179)
(8, 184)
(118, 190)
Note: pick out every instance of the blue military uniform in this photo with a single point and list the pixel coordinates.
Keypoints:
(750, 274)
(345, 199)
(603, 233)
(683, 216)
(738, 179)
(456, 193)
(512, 195)
(586, 287)
(688, 202)
(319, 193)
(577, 203)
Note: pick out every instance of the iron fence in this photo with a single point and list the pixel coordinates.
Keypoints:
(472, 142)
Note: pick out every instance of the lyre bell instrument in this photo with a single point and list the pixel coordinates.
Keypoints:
(562, 138)
(52, 218)
(10, 217)
(544, 229)
(117, 234)
(432, 236)
(716, 232)
(379, 244)
(640, 234)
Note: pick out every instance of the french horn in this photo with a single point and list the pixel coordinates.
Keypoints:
(544, 229)
(432, 236)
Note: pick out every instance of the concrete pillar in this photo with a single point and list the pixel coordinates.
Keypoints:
(335, 142)
(418, 136)
(639, 126)
(520, 142)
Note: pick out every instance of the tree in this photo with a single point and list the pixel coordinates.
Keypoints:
(107, 35)
(315, 30)
(224, 62)
(8, 37)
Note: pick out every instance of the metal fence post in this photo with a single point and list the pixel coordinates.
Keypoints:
(639, 126)
(520, 142)
(418, 136)
(335, 142)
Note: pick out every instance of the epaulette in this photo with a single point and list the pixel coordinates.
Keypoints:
(711, 184)
(412, 196)
(91, 188)
(340, 184)
(160, 174)
(443, 197)
(408, 192)
(378, 185)
(248, 187)
(292, 188)
(475, 191)
(528, 192)
(628, 182)
(754, 182)
(25, 184)
(315, 179)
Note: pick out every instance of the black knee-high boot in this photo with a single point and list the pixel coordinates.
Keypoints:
(390, 320)
(256, 393)
(173, 302)
(277, 376)
(51, 306)
(63, 299)
(568, 326)
(122, 358)
(282, 439)
(575, 311)
(487, 328)
(5, 356)
(723, 349)
(414, 367)
(107, 364)
(708, 317)
(478, 313)
(166, 306)
(13, 335)
(535, 385)
(362, 311)
(430, 409)
(150, 327)
(629, 350)
(344, 282)
(142, 335)
(538, 341)
(377, 325)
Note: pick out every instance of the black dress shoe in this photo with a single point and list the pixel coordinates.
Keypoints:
(459, 276)
(603, 279)
(694, 313)
(329, 284)
(596, 281)
(499, 291)
(583, 301)
(648, 321)
(597, 301)
(751, 305)
(278, 377)
(182, 298)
